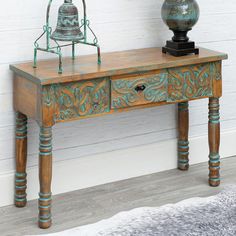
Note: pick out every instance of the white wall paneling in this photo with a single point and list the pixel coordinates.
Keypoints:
(113, 140)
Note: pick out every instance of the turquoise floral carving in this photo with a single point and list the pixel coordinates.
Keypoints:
(191, 82)
(126, 92)
(78, 99)
(74, 100)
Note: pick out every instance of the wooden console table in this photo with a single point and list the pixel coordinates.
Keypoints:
(124, 81)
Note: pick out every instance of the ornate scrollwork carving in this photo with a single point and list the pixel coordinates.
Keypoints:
(143, 90)
(73, 100)
(191, 82)
(84, 98)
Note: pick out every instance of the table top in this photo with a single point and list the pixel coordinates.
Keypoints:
(114, 63)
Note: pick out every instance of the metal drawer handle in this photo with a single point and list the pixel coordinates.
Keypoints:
(140, 88)
(95, 105)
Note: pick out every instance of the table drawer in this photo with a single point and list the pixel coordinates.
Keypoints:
(79, 99)
(138, 90)
(191, 82)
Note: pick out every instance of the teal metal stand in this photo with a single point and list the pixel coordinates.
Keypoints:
(57, 49)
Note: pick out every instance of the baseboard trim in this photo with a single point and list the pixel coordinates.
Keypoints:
(113, 166)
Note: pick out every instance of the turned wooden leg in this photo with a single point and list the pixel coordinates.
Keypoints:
(21, 158)
(45, 177)
(214, 141)
(183, 144)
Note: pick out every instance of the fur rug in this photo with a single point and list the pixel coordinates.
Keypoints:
(212, 216)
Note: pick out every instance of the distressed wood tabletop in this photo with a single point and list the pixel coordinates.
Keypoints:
(114, 63)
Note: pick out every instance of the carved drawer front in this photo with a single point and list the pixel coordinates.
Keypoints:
(78, 99)
(138, 90)
(192, 81)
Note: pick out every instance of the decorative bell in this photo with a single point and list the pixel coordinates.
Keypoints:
(68, 28)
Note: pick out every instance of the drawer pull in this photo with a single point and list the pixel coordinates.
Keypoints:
(95, 105)
(140, 88)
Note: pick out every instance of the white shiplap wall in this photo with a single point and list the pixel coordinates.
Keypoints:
(120, 25)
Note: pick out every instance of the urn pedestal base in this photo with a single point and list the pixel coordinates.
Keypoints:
(179, 49)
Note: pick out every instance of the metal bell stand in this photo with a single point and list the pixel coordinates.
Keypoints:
(47, 29)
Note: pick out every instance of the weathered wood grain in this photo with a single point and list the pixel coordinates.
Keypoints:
(124, 62)
(21, 159)
(25, 97)
(148, 78)
(183, 143)
(186, 78)
(214, 141)
(45, 177)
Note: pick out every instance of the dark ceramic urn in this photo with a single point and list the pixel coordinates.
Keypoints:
(180, 16)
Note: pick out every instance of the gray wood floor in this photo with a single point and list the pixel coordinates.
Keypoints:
(93, 204)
